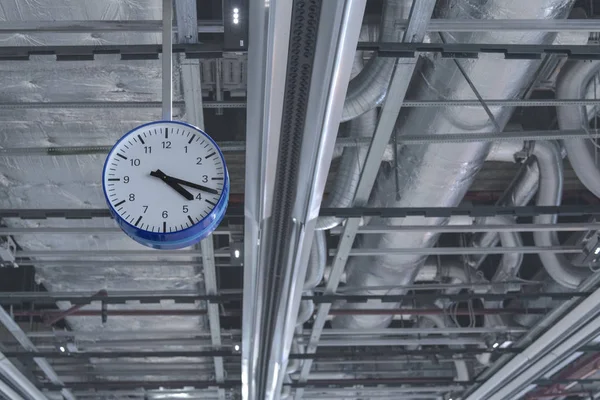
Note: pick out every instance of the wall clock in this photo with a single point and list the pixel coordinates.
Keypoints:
(166, 184)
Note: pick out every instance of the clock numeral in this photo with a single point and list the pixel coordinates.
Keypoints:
(166, 144)
(145, 209)
(204, 178)
(126, 179)
(198, 197)
(165, 214)
(185, 209)
(186, 149)
(147, 149)
(131, 197)
(135, 162)
(198, 160)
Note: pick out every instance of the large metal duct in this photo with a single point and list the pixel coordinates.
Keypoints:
(438, 175)
(344, 187)
(574, 83)
(368, 89)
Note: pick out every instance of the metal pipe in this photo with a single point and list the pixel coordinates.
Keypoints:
(167, 60)
(550, 164)
(573, 83)
(369, 88)
(440, 174)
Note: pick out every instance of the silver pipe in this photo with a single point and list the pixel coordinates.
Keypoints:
(439, 175)
(368, 89)
(550, 164)
(344, 187)
(520, 195)
(573, 83)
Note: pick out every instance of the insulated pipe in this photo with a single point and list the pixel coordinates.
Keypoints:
(439, 175)
(550, 164)
(520, 195)
(344, 187)
(368, 89)
(573, 84)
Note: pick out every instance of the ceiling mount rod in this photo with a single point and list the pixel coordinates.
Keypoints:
(167, 61)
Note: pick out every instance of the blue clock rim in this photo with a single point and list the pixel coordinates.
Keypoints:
(222, 198)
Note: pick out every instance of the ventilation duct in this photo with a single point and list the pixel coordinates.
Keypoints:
(576, 81)
(368, 89)
(438, 175)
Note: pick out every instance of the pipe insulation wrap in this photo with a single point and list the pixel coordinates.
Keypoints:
(344, 187)
(368, 89)
(550, 164)
(438, 175)
(574, 83)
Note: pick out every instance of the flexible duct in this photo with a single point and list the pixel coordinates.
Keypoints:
(547, 175)
(438, 175)
(368, 89)
(573, 84)
(344, 187)
(550, 164)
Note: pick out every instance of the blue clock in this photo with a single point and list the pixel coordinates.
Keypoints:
(166, 184)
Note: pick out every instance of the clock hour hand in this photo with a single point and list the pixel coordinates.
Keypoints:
(190, 184)
(169, 181)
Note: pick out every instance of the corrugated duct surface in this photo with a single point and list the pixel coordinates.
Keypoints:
(75, 181)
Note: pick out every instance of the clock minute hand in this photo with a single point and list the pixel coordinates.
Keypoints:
(194, 185)
(174, 185)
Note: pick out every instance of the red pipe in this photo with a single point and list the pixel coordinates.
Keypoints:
(52, 320)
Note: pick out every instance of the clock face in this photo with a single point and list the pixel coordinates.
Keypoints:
(164, 177)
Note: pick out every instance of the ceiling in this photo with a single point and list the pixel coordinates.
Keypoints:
(412, 211)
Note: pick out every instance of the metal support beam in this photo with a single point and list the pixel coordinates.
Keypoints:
(393, 50)
(118, 104)
(472, 50)
(268, 44)
(12, 374)
(91, 264)
(340, 143)
(242, 104)
(88, 26)
(363, 252)
(235, 146)
(117, 253)
(419, 19)
(315, 90)
(210, 26)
